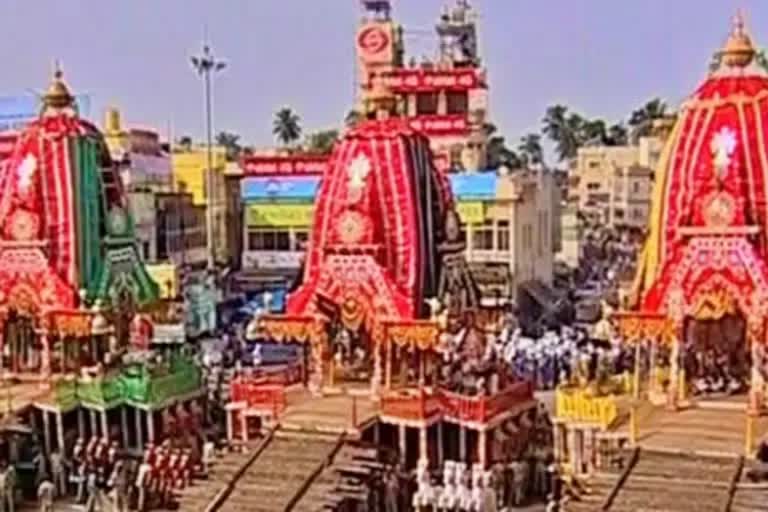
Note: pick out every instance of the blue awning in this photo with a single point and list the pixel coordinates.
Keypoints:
(476, 185)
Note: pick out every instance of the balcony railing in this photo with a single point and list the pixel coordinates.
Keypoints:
(411, 406)
(422, 405)
(135, 384)
(260, 396)
(579, 406)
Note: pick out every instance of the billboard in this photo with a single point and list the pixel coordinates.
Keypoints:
(17, 111)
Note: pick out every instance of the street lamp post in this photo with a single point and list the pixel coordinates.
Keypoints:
(206, 64)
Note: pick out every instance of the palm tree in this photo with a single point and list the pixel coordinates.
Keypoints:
(530, 150)
(498, 154)
(592, 131)
(286, 126)
(563, 129)
(231, 144)
(618, 135)
(185, 142)
(641, 120)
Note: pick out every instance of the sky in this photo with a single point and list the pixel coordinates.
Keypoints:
(602, 58)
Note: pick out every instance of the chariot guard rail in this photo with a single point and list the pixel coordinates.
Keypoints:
(134, 384)
(423, 404)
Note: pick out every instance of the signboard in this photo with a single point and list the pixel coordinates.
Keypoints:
(302, 165)
(279, 215)
(422, 80)
(471, 212)
(375, 44)
(440, 125)
(272, 259)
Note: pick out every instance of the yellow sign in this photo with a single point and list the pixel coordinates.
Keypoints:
(166, 277)
(471, 212)
(279, 215)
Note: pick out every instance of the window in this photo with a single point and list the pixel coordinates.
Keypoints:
(426, 103)
(636, 187)
(482, 236)
(527, 237)
(593, 164)
(301, 237)
(502, 228)
(618, 213)
(457, 103)
(269, 240)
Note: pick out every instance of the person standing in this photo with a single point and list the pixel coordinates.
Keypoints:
(58, 473)
(45, 494)
(95, 499)
(10, 487)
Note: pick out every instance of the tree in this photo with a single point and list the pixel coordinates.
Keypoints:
(286, 126)
(321, 142)
(530, 150)
(185, 142)
(592, 131)
(563, 129)
(641, 120)
(231, 144)
(618, 135)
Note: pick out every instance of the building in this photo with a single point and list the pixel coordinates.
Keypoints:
(571, 242)
(612, 184)
(445, 98)
(508, 224)
(189, 166)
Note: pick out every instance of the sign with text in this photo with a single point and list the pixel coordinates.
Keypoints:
(440, 125)
(272, 259)
(303, 165)
(471, 212)
(279, 215)
(422, 80)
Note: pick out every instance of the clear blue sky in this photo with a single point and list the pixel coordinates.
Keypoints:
(603, 57)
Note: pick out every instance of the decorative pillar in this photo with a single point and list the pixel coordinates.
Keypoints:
(749, 435)
(401, 436)
(150, 425)
(557, 440)
(440, 440)
(388, 370)
(482, 447)
(104, 424)
(376, 377)
(80, 422)
(422, 369)
(652, 373)
(423, 448)
(674, 374)
(757, 382)
(573, 455)
(462, 443)
(636, 376)
(244, 426)
(124, 425)
(47, 431)
(45, 361)
(139, 430)
(60, 432)
(230, 427)
(94, 426)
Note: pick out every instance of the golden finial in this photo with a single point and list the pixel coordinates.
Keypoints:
(738, 51)
(58, 96)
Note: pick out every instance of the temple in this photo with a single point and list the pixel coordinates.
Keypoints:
(693, 320)
(67, 253)
(704, 262)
